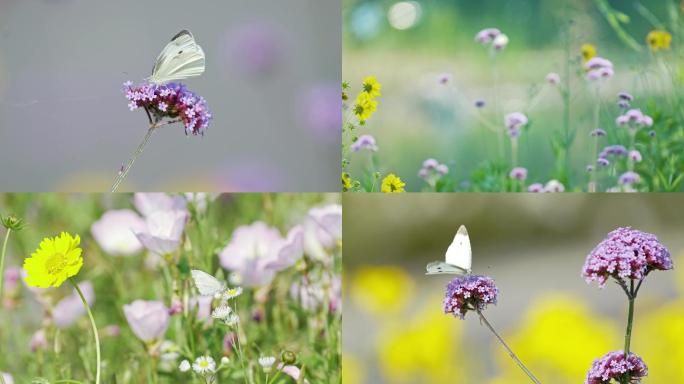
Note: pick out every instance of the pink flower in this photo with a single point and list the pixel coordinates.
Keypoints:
(255, 252)
(322, 230)
(553, 78)
(114, 232)
(290, 370)
(487, 35)
(163, 231)
(148, 319)
(535, 188)
(518, 173)
(38, 341)
(146, 203)
(515, 120)
(203, 304)
(7, 377)
(12, 276)
(70, 309)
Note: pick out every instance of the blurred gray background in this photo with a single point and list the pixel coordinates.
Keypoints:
(272, 83)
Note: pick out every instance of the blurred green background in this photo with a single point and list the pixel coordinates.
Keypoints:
(534, 247)
(419, 118)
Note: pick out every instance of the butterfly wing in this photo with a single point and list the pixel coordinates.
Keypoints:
(180, 59)
(440, 267)
(459, 253)
(206, 284)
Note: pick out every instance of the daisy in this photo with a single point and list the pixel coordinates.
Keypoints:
(204, 365)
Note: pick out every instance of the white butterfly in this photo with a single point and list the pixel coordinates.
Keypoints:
(208, 285)
(459, 257)
(180, 59)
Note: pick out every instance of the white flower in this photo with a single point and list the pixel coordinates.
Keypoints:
(204, 365)
(266, 362)
(184, 366)
(225, 360)
(169, 351)
(231, 320)
(232, 293)
(221, 312)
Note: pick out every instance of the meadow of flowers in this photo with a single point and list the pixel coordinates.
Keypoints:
(170, 288)
(593, 113)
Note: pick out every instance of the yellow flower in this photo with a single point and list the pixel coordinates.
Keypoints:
(382, 290)
(352, 369)
(392, 184)
(588, 52)
(346, 182)
(364, 106)
(658, 40)
(661, 345)
(371, 86)
(55, 260)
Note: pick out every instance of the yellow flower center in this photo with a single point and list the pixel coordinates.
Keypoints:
(56, 263)
(204, 364)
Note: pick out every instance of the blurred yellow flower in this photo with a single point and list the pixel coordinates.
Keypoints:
(679, 272)
(658, 339)
(392, 184)
(371, 86)
(588, 52)
(382, 290)
(558, 340)
(55, 260)
(346, 182)
(352, 370)
(364, 106)
(659, 40)
(425, 349)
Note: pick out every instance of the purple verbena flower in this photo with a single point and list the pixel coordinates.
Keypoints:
(479, 103)
(598, 132)
(468, 293)
(598, 68)
(515, 120)
(602, 161)
(629, 178)
(635, 156)
(553, 78)
(173, 101)
(554, 186)
(625, 96)
(487, 35)
(614, 366)
(364, 142)
(431, 168)
(625, 254)
(445, 78)
(636, 117)
(536, 188)
(518, 173)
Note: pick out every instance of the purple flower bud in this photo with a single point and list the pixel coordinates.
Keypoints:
(515, 120)
(624, 104)
(479, 103)
(602, 161)
(598, 132)
(635, 155)
(518, 173)
(614, 366)
(625, 96)
(469, 293)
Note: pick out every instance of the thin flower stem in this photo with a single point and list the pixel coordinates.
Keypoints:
(508, 349)
(92, 323)
(134, 157)
(630, 319)
(2, 262)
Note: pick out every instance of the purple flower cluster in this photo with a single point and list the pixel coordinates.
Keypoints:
(467, 293)
(624, 100)
(487, 35)
(172, 100)
(364, 142)
(625, 254)
(518, 173)
(629, 178)
(550, 187)
(514, 121)
(598, 68)
(635, 117)
(431, 168)
(614, 366)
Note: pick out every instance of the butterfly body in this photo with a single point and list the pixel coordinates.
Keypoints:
(180, 59)
(458, 258)
(208, 285)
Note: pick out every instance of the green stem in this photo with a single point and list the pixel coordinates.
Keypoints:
(2, 267)
(508, 349)
(278, 371)
(92, 323)
(630, 320)
(134, 157)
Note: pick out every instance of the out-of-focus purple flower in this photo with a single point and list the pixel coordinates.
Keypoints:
(625, 254)
(228, 342)
(7, 377)
(111, 330)
(635, 117)
(320, 108)
(176, 306)
(336, 294)
(148, 319)
(290, 370)
(487, 35)
(479, 103)
(515, 120)
(518, 173)
(469, 293)
(629, 178)
(623, 104)
(11, 283)
(364, 142)
(500, 42)
(598, 132)
(617, 150)
(146, 203)
(590, 168)
(554, 186)
(322, 230)
(114, 232)
(635, 156)
(602, 161)
(38, 341)
(535, 188)
(625, 96)
(309, 295)
(442, 169)
(614, 366)
(444, 78)
(432, 170)
(254, 48)
(255, 252)
(553, 78)
(163, 231)
(203, 305)
(70, 308)
(173, 101)
(598, 68)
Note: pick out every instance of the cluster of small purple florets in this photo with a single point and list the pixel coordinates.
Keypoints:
(432, 168)
(614, 366)
(466, 293)
(172, 100)
(625, 254)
